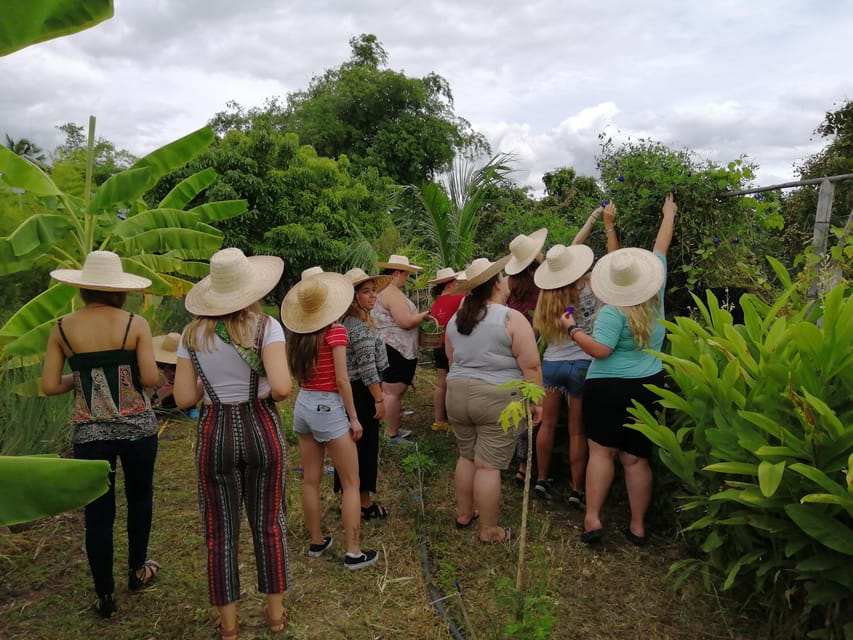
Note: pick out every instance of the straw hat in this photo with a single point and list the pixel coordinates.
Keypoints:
(317, 302)
(480, 271)
(101, 271)
(563, 266)
(166, 347)
(443, 275)
(311, 271)
(357, 276)
(524, 249)
(400, 263)
(234, 283)
(627, 277)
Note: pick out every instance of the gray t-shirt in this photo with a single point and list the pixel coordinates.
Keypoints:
(485, 354)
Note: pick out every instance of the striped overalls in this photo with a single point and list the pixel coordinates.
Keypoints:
(241, 457)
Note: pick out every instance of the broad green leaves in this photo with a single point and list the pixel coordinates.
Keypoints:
(24, 22)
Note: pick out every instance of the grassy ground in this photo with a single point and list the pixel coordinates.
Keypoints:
(617, 591)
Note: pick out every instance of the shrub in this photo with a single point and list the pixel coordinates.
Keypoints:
(761, 438)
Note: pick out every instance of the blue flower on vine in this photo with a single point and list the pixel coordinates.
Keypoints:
(621, 178)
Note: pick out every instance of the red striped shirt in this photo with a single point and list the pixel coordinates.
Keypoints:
(322, 376)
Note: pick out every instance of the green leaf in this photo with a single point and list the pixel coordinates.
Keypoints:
(33, 341)
(38, 233)
(43, 308)
(121, 188)
(155, 219)
(187, 189)
(820, 478)
(26, 22)
(175, 155)
(512, 415)
(770, 476)
(221, 210)
(19, 173)
(45, 486)
(823, 528)
(736, 468)
(170, 240)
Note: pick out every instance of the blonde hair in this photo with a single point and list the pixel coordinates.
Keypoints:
(551, 305)
(641, 318)
(241, 325)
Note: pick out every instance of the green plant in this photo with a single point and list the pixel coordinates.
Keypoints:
(31, 424)
(513, 415)
(531, 613)
(760, 434)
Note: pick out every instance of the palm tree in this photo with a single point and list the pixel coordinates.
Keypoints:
(27, 150)
(445, 214)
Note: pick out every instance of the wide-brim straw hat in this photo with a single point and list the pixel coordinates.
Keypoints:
(234, 283)
(627, 277)
(400, 263)
(102, 271)
(563, 265)
(524, 249)
(358, 276)
(311, 271)
(316, 302)
(445, 274)
(166, 347)
(480, 271)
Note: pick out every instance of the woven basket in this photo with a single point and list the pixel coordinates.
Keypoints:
(430, 340)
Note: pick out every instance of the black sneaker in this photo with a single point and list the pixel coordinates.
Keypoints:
(317, 550)
(366, 559)
(578, 500)
(105, 606)
(542, 489)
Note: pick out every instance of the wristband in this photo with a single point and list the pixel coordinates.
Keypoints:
(610, 230)
(573, 331)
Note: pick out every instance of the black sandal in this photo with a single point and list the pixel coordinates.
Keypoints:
(375, 510)
(149, 570)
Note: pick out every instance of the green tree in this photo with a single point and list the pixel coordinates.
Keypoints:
(403, 127)
(165, 244)
(27, 149)
(70, 159)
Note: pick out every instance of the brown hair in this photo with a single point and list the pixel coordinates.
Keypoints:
(357, 311)
(302, 350)
(521, 285)
(110, 298)
(241, 327)
(474, 308)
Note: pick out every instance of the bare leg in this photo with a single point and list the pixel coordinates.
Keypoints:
(438, 408)
(463, 481)
(487, 498)
(545, 437)
(578, 448)
(599, 477)
(312, 472)
(638, 482)
(392, 392)
(228, 616)
(275, 606)
(344, 456)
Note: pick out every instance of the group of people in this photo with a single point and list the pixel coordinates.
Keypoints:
(352, 345)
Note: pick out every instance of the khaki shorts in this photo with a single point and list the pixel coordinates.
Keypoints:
(474, 408)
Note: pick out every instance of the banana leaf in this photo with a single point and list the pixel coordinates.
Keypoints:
(33, 487)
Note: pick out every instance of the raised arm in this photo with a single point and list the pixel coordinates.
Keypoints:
(584, 232)
(610, 227)
(667, 225)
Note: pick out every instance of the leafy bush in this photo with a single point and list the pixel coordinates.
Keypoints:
(30, 424)
(761, 437)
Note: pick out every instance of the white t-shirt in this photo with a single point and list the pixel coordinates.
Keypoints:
(227, 372)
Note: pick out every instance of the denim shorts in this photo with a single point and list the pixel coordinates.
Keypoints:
(320, 414)
(567, 376)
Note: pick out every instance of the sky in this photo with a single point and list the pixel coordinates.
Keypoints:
(541, 79)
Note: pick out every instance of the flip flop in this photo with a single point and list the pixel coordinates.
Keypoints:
(465, 525)
(633, 538)
(592, 537)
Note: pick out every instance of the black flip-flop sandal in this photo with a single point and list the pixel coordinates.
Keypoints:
(375, 510)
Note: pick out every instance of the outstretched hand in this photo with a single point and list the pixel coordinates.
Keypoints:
(669, 207)
(609, 214)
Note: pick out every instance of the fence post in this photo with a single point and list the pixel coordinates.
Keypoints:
(822, 217)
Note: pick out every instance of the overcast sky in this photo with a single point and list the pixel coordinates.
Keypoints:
(540, 78)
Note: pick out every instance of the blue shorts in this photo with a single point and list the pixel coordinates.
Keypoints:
(567, 376)
(320, 414)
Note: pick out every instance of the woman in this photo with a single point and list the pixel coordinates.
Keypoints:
(111, 358)
(325, 417)
(366, 360)
(525, 257)
(564, 286)
(630, 283)
(446, 303)
(397, 321)
(488, 344)
(232, 357)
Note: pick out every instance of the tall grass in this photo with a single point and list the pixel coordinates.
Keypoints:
(31, 424)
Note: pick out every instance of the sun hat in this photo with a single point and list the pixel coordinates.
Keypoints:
(102, 271)
(234, 283)
(316, 302)
(627, 277)
(480, 271)
(524, 249)
(358, 275)
(166, 347)
(311, 271)
(563, 265)
(445, 274)
(399, 263)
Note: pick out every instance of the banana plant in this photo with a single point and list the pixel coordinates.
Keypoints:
(24, 22)
(167, 244)
(42, 486)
